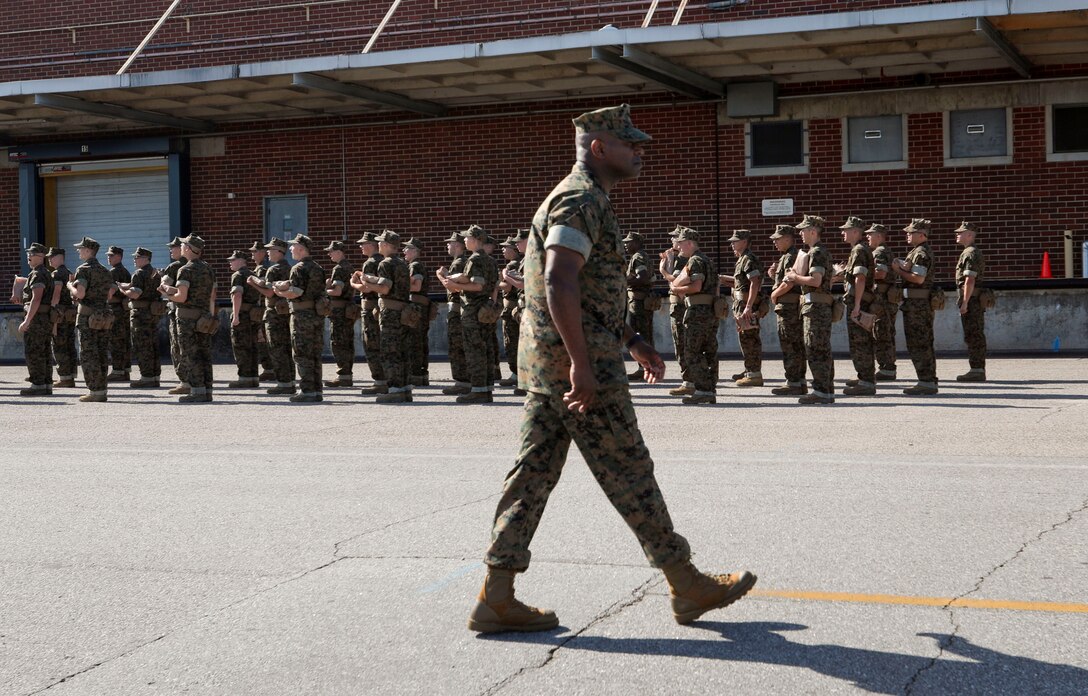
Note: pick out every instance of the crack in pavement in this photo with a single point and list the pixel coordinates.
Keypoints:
(908, 688)
(637, 595)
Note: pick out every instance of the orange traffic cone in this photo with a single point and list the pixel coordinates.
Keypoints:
(1045, 273)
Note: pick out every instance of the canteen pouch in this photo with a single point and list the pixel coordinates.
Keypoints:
(208, 324)
(281, 306)
(722, 307)
(894, 295)
(101, 320)
(518, 311)
(157, 308)
(838, 311)
(352, 311)
(323, 306)
(654, 303)
(937, 300)
(410, 316)
(987, 298)
(764, 306)
(489, 313)
(70, 314)
(256, 314)
(866, 321)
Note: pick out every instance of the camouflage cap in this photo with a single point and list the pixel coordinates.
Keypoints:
(456, 237)
(615, 120)
(781, 231)
(56, 251)
(194, 241)
(918, 225)
(303, 240)
(475, 231)
(633, 237)
(967, 227)
(35, 249)
(686, 234)
(740, 236)
(877, 229)
(388, 236)
(141, 253)
(88, 243)
(522, 235)
(811, 221)
(257, 246)
(367, 238)
(335, 245)
(238, 255)
(676, 232)
(411, 244)
(488, 239)
(277, 244)
(174, 243)
(510, 242)
(115, 250)
(853, 222)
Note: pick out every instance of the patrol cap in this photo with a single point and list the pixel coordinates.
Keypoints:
(194, 241)
(510, 243)
(633, 237)
(140, 251)
(918, 225)
(476, 232)
(853, 222)
(615, 120)
(277, 244)
(388, 236)
(676, 232)
(411, 244)
(781, 231)
(115, 250)
(174, 243)
(686, 234)
(521, 234)
(36, 248)
(740, 236)
(335, 245)
(877, 229)
(967, 227)
(456, 237)
(367, 238)
(488, 239)
(56, 251)
(88, 243)
(812, 221)
(257, 246)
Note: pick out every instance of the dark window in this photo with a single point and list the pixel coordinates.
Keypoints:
(778, 144)
(1070, 128)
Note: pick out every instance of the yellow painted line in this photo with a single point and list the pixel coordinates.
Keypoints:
(1007, 605)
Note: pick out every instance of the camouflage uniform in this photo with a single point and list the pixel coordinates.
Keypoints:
(700, 326)
(454, 329)
(372, 333)
(578, 215)
(36, 339)
(816, 315)
(243, 337)
(171, 272)
(746, 271)
(196, 347)
(64, 341)
(263, 356)
(394, 336)
(144, 324)
(510, 327)
(120, 339)
(93, 343)
(676, 321)
(639, 295)
(918, 316)
(478, 336)
(419, 336)
(277, 327)
(885, 306)
(862, 354)
(791, 332)
(307, 329)
(971, 265)
(342, 329)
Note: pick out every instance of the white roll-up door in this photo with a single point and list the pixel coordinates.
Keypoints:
(117, 208)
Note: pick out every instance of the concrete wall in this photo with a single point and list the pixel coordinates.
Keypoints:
(1024, 320)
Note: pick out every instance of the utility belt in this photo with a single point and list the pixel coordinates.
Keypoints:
(881, 287)
(703, 298)
(866, 297)
(370, 304)
(301, 305)
(912, 294)
(818, 298)
(337, 304)
(86, 311)
(141, 304)
(246, 307)
(184, 312)
(115, 301)
(420, 299)
(740, 295)
(790, 298)
(393, 305)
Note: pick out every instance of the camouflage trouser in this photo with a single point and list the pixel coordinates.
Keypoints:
(791, 337)
(175, 348)
(196, 354)
(93, 355)
(456, 333)
(510, 331)
(918, 328)
(145, 330)
(493, 353)
(277, 329)
(372, 345)
(342, 341)
(64, 349)
(861, 346)
(884, 335)
(418, 346)
(701, 346)
(641, 320)
(263, 356)
(477, 350)
(36, 349)
(243, 340)
(609, 440)
(751, 343)
(817, 322)
(974, 333)
(307, 342)
(120, 340)
(676, 321)
(394, 349)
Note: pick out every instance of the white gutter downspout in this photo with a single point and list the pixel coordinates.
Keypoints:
(150, 35)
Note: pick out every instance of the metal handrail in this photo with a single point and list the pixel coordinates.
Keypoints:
(381, 26)
(150, 35)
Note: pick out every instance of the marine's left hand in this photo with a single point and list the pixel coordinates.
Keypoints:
(653, 367)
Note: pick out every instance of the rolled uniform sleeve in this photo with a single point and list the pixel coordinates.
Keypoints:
(572, 224)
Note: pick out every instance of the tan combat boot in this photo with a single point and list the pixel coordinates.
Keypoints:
(752, 379)
(684, 389)
(182, 389)
(694, 593)
(61, 382)
(497, 610)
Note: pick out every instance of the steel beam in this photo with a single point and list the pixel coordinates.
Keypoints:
(988, 31)
(659, 64)
(611, 57)
(57, 101)
(324, 84)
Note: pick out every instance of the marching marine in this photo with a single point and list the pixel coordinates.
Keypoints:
(64, 321)
(915, 271)
(671, 264)
(786, 297)
(259, 255)
(510, 293)
(145, 309)
(304, 289)
(697, 286)
(419, 335)
(640, 298)
(475, 285)
(277, 321)
(194, 294)
(745, 282)
(857, 277)
(120, 340)
(969, 269)
(816, 311)
(90, 288)
(342, 316)
(462, 383)
(169, 276)
(886, 298)
(392, 286)
(245, 319)
(372, 332)
(37, 325)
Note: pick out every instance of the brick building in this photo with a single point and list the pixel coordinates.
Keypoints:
(241, 119)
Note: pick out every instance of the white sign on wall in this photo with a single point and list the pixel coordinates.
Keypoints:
(777, 207)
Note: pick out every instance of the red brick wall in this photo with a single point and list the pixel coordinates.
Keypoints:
(11, 252)
(99, 44)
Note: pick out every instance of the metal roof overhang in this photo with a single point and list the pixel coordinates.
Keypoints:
(696, 60)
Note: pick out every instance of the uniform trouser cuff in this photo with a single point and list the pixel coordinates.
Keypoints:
(463, 384)
(689, 385)
(480, 390)
(704, 393)
(755, 373)
(977, 371)
(823, 395)
(886, 373)
(929, 385)
(381, 383)
(98, 393)
(866, 383)
(795, 383)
